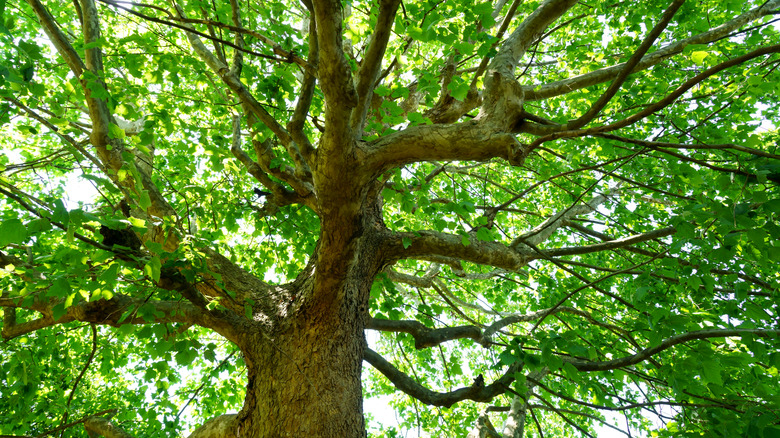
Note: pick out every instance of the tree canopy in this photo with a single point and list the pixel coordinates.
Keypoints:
(505, 218)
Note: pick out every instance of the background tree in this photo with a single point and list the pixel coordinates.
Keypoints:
(555, 216)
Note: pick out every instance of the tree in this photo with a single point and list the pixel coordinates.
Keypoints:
(553, 216)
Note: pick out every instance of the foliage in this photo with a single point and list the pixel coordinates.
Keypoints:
(602, 247)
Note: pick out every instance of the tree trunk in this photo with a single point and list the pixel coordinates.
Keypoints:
(305, 380)
(304, 362)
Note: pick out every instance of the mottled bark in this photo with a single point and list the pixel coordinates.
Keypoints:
(305, 381)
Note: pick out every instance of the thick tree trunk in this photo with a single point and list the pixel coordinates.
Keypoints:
(305, 379)
(305, 383)
(304, 363)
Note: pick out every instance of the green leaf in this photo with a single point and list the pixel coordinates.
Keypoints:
(144, 200)
(31, 50)
(12, 231)
(698, 57)
(60, 213)
(712, 372)
(96, 89)
(114, 131)
(58, 311)
(483, 234)
(459, 88)
(152, 268)
(38, 226)
(60, 288)
(464, 48)
(28, 73)
(382, 90)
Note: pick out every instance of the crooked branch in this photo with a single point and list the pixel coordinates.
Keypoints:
(408, 385)
(647, 353)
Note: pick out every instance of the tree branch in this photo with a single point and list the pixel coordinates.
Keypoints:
(58, 38)
(110, 312)
(103, 427)
(234, 84)
(217, 427)
(65, 137)
(468, 141)
(334, 72)
(502, 100)
(426, 243)
(548, 227)
(425, 337)
(372, 64)
(504, 26)
(538, 92)
(666, 101)
(627, 68)
(98, 110)
(305, 96)
(612, 244)
(283, 55)
(661, 144)
(84, 369)
(260, 170)
(406, 384)
(238, 55)
(648, 353)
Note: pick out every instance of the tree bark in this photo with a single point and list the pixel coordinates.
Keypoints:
(304, 372)
(305, 382)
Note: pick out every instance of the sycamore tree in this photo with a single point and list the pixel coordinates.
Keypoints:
(241, 218)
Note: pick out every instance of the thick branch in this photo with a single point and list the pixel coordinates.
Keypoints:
(110, 312)
(612, 244)
(503, 97)
(406, 384)
(103, 427)
(98, 110)
(305, 96)
(58, 38)
(217, 427)
(91, 76)
(251, 105)
(372, 63)
(238, 56)
(504, 26)
(515, 46)
(427, 243)
(425, 337)
(334, 72)
(469, 141)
